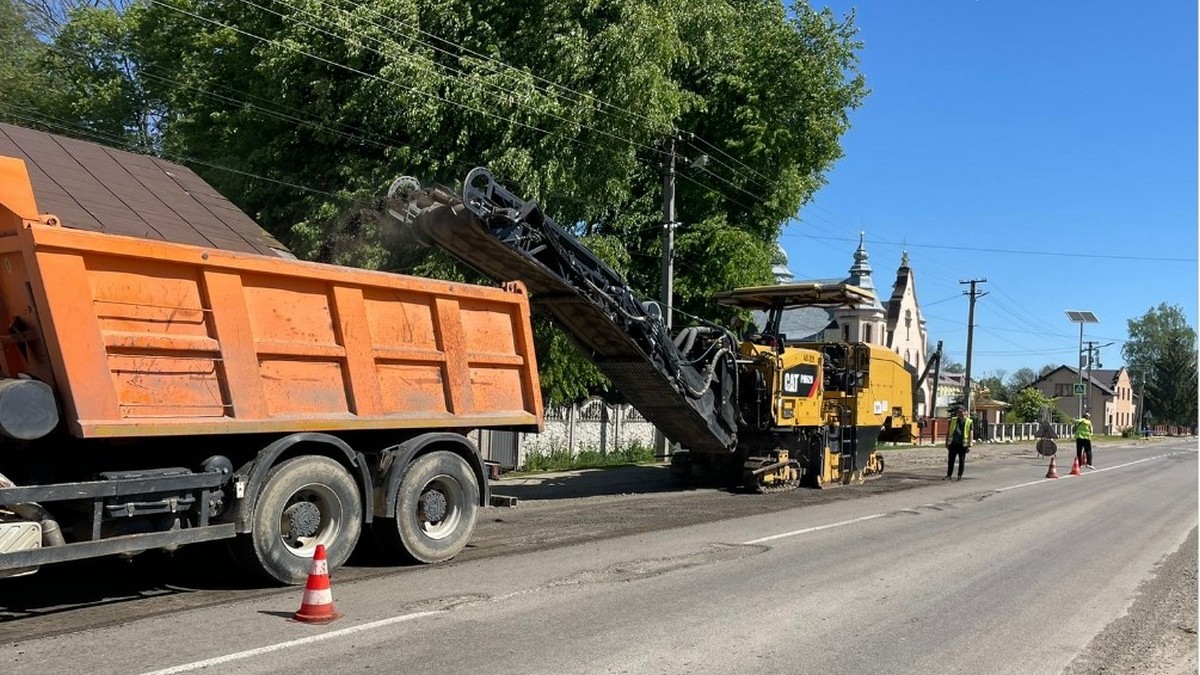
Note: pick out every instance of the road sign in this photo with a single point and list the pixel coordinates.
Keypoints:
(1078, 388)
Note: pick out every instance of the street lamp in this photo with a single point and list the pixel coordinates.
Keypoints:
(1081, 317)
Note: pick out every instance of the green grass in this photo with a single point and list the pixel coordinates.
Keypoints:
(560, 459)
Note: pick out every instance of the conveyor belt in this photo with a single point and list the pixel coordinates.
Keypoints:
(689, 397)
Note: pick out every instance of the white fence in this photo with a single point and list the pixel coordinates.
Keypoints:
(596, 425)
(1027, 431)
(590, 425)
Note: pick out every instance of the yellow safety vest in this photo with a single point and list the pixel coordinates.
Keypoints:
(1083, 428)
(966, 430)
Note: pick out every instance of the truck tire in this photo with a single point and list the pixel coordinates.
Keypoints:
(436, 507)
(304, 501)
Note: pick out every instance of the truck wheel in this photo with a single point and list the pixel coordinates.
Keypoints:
(304, 501)
(436, 506)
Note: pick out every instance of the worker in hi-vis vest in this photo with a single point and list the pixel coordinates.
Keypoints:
(1083, 440)
(958, 442)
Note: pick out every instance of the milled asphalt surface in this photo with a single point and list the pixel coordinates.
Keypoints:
(901, 460)
(559, 509)
(1158, 635)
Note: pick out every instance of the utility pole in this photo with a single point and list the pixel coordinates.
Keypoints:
(668, 262)
(661, 447)
(931, 409)
(975, 295)
(1081, 317)
(1093, 355)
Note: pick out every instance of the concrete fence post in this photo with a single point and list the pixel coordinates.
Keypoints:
(604, 435)
(572, 415)
(618, 417)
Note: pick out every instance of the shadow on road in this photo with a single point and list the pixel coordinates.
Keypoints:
(588, 483)
(112, 580)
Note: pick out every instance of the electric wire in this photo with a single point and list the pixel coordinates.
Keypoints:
(79, 130)
(501, 64)
(391, 82)
(476, 85)
(978, 249)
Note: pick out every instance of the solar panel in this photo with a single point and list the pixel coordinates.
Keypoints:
(1077, 316)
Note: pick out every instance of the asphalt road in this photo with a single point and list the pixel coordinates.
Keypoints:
(1004, 572)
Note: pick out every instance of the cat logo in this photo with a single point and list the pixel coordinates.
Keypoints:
(792, 382)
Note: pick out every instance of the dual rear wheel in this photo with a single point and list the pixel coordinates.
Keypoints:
(311, 500)
(436, 509)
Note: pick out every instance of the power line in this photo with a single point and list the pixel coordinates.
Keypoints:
(498, 62)
(477, 85)
(394, 83)
(82, 131)
(582, 96)
(301, 118)
(1100, 256)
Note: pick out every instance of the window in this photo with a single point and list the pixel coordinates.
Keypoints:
(846, 333)
(867, 333)
(1064, 390)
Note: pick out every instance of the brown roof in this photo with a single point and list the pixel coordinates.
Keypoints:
(94, 187)
(1105, 380)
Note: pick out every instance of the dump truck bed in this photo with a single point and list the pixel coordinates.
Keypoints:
(145, 337)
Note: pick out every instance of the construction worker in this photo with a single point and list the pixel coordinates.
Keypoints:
(958, 442)
(1083, 440)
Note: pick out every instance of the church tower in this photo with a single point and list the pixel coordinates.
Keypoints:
(868, 322)
(906, 334)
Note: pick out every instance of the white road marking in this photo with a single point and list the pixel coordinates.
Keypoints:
(249, 653)
(1041, 481)
(806, 530)
(238, 656)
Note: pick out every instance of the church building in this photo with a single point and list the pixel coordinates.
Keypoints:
(898, 325)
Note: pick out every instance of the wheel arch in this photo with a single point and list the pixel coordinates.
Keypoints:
(394, 463)
(254, 473)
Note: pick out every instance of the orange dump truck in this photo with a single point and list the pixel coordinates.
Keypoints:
(155, 394)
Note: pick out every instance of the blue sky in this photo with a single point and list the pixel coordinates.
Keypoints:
(1049, 147)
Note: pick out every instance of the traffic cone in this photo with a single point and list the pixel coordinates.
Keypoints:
(1052, 473)
(317, 605)
(1075, 467)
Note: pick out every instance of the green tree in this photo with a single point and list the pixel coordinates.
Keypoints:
(303, 113)
(989, 388)
(1027, 406)
(1161, 355)
(991, 384)
(76, 77)
(1021, 378)
(21, 76)
(949, 365)
(99, 93)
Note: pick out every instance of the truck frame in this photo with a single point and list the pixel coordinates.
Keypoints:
(155, 394)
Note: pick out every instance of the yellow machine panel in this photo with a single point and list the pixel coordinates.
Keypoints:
(793, 377)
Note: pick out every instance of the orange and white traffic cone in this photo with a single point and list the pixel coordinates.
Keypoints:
(317, 605)
(1075, 468)
(1052, 472)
